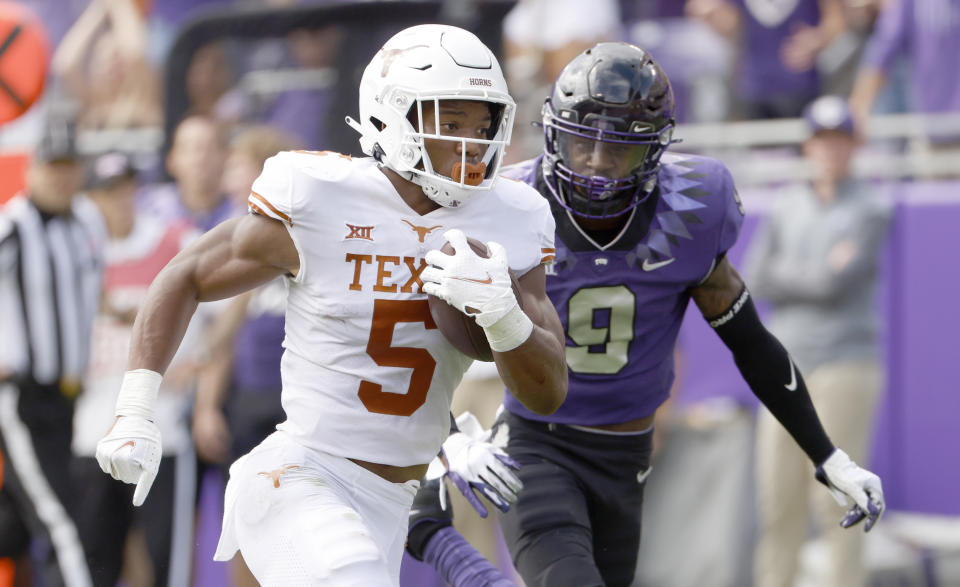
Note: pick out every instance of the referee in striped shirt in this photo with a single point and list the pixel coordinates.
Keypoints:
(50, 273)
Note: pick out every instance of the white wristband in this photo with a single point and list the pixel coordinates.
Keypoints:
(138, 393)
(509, 332)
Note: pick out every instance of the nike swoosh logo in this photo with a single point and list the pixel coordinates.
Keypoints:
(648, 266)
(792, 386)
(486, 281)
(642, 475)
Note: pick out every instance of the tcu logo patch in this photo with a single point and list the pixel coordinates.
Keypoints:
(359, 232)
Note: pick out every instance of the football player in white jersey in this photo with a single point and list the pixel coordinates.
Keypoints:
(367, 376)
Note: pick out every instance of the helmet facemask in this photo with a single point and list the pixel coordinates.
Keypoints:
(607, 122)
(480, 158)
(625, 156)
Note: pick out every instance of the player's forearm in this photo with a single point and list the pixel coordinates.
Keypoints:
(536, 372)
(772, 376)
(162, 321)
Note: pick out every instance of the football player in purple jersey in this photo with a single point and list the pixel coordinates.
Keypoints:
(640, 232)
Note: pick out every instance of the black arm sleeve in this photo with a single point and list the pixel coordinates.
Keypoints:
(772, 376)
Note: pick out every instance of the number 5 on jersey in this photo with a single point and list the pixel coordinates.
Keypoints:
(386, 315)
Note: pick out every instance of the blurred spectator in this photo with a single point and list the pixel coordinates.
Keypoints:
(927, 34)
(195, 162)
(699, 60)
(238, 391)
(168, 16)
(50, 270)
(209, 77)
(779, 43)
(248, 150)
(139, 246)
(103, 65)
(302, 112)
(540, 37)
(839, 61)
(290, 84)
(816, 262)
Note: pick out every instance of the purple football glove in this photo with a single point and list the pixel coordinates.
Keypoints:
(476, 465)
(845, 479)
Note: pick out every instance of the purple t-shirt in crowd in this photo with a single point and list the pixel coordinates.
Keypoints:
(621, 307)
(927, 33)
(163, 200)
(258, 345)
(766, 25)
(302, 114)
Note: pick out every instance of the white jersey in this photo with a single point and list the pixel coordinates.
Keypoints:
(365, 372)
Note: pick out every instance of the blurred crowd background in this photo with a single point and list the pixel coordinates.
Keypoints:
(177, 103)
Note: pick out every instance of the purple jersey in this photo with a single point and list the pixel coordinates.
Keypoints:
(622, 305)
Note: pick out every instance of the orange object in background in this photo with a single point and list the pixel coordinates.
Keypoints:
(13, 166)
(24, 59)
(6, 565)
(6, 572)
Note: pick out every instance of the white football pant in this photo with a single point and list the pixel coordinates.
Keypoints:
(302, 517)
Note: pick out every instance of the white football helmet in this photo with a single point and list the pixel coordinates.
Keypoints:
(424, 63)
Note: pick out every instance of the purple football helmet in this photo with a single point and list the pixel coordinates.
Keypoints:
(606, 124)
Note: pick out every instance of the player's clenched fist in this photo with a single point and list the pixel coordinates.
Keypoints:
(131, 450)
(131, 453)
(480, 287)
(473, 284)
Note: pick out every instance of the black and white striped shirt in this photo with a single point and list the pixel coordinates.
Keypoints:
(50, 279)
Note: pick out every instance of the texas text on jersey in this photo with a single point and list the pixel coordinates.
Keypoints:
(362, 351)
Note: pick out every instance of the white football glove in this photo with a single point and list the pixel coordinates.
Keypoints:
(131, 453)
(480, 288)
(473, 464)
(845, 479)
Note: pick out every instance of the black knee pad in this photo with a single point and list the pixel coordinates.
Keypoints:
(426, 517)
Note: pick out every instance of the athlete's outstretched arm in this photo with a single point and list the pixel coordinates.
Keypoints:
(527, 342)
(237, 255)
(774, 379)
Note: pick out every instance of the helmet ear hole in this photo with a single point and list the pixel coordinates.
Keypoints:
(377, 123)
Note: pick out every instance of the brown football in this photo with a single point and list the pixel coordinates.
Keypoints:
(459, 329)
